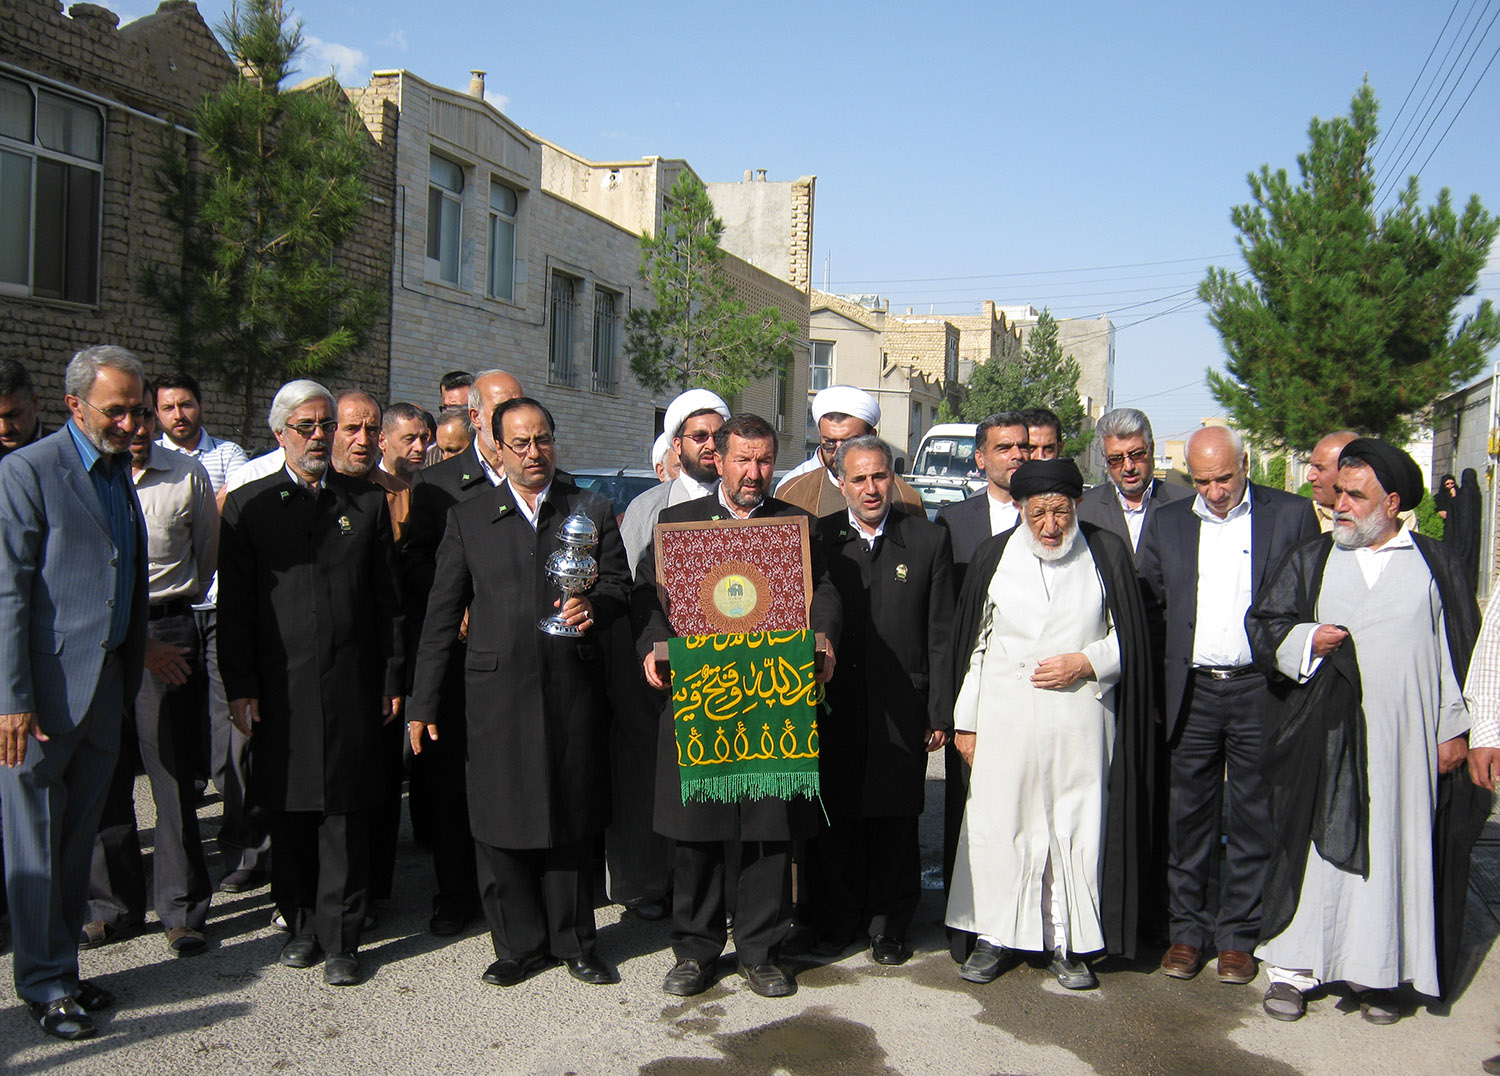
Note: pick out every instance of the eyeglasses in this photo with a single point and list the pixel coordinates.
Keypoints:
(305, 430)
(1135, 455)
(698, 437)
(833, 446)
(542, 443)
(140, 413)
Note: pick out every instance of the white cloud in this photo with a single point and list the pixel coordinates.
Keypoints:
(348, 64)
(498, 100)
(396, 39)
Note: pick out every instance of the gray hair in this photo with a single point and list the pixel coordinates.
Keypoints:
(476, 401)
(864, 443)
(1125, 422)
(1236, 442)
(84, 367)
(291, 396)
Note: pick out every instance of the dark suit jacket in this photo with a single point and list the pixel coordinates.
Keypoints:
(310, 624)
(754, 820)
(1168, 564)
(968, 521)
(1101, 506)
(57, 572)
(537, 718)
(893, 680)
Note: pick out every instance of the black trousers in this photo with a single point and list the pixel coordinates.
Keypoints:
(439, 804)
(245, 835)
(1217, 742)
(865, 875)
(320, 876)
(538, 900)
(165, 735)
(762, 900)
(385, 819)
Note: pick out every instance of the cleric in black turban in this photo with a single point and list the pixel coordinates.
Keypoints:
(1036, 477)
(1396, 472)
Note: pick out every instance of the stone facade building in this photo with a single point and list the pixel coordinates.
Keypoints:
(88, 109)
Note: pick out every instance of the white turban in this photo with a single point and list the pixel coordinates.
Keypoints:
(660, 449)
(846, 400)
(690, 402)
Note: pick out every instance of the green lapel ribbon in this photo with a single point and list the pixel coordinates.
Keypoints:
(745, 712)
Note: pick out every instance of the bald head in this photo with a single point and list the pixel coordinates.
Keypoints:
(1219, 468)
(491, 388)
(1323, 465)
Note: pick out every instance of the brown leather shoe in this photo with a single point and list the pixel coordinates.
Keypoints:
(1235, 967)
(1182, 961)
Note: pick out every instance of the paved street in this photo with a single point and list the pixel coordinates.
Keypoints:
(423, 1010)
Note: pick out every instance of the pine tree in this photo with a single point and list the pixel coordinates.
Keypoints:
(1039, 374)
(1346, 320)
(274, 184)
(698, 334)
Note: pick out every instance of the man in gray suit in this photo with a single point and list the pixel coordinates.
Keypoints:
(1133, 492)
(73, 605)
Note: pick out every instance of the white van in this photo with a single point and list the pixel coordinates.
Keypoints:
(944, 470)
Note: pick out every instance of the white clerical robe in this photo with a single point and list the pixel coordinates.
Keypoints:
(1380, 931)
(1040, 780)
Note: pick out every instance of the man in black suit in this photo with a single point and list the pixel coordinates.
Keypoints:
(1124, 503)
(1002, 443)
(1203, 560)
(746, 447)
(437, 794)
(890, 704)
(536, 715)
(311, 654)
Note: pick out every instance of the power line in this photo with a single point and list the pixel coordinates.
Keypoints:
(1460, 109)
(1032, 273)
(1387, 139)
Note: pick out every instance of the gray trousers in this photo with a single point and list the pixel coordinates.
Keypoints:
(53, 801)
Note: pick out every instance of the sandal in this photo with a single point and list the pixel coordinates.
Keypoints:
(92, 997)
(1379, 1006)
(1283, 1001)
(62, 1019)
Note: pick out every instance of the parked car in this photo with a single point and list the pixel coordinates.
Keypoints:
(945, 470)
(620, 486)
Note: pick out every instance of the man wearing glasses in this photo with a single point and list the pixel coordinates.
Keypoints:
(73, 599)
(842, 413)
(311, 656)
(1122, 504)
(537, 718)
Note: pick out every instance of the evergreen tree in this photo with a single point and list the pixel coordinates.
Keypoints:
(1040, 374)
(1346, 320)
(275, 184)
(698, 334)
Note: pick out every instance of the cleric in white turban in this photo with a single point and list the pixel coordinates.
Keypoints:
(842, 413)
(689, 427)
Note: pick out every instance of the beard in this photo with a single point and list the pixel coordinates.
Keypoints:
(1046, 552)
(1352, 533)
(697, 471)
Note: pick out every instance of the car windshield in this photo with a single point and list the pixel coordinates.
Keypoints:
(621, 489)
(946, 457)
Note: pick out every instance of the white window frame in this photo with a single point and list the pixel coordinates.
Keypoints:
(498, 219)
(449, 243)
(814, 368)
(33, 151)
(609, 316)
(562, 327)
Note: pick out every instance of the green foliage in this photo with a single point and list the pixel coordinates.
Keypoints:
(1040, 374)
(1428, 521)
(946, 413)
(698, 333)
(276, 185)
(1272, 474)
(1344, 320)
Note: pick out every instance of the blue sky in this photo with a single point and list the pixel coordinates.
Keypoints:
(1082, 156)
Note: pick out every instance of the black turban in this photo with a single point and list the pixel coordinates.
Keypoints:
(1396, 472)
(1036, 477)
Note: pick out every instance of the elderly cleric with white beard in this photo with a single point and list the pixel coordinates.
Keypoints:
(1053, 716)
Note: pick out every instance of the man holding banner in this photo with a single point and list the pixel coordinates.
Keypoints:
(759, 774)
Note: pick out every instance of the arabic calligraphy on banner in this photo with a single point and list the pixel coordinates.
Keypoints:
(744, 708)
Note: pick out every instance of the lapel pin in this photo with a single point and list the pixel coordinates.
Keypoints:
(345, 527)
(285, 494)
(901, 573)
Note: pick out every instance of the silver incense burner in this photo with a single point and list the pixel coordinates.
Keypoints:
(572, 569)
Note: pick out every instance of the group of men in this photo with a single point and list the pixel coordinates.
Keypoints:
(1101, 667)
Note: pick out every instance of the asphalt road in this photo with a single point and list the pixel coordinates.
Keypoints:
(424, 1010)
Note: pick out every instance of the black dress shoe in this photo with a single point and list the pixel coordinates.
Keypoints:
(589, 969)
(686, 979)
(341, 969)
(242, 881)
(650, 910)
(887, 950)
(300, 953)
(983, 965)
(92, 997)
(511, 972)
(768, 980)
(449, 918)
(62, 1019)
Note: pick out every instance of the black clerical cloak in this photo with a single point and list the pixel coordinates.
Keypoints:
(1314, 740)
(1127, 833)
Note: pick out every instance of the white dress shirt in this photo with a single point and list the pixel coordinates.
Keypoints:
(1003, 514)
(525, 509)
(1135, 518)
(1224, 574)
